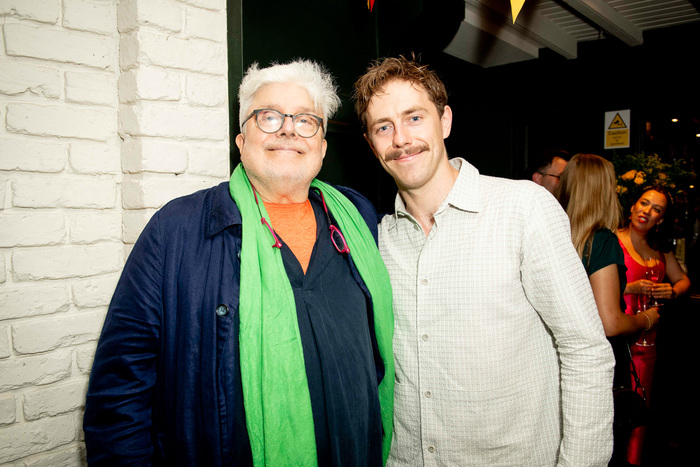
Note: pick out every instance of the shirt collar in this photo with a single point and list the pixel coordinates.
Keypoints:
(223, 212)
(464, 194)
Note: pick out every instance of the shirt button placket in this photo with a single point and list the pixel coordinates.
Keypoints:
(426, 404)
(430, 457)
(423, 301)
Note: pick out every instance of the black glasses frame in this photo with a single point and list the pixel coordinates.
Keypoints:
(284, 116)
(558, 177)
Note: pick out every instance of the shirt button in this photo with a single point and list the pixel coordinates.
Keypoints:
(221, 310)
(431, 448)
(428, 394)
(424, 281)
(425, 337)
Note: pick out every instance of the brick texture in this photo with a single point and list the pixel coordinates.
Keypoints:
(108, 110)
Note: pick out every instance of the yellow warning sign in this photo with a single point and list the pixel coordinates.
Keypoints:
(617, 129)
(617, 122)
(617, 139)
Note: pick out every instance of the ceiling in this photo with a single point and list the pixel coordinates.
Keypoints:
(487, 36)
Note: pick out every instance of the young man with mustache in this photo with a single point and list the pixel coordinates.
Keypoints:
(501, 357)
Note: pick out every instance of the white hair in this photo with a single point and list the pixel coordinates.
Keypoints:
(305, 73)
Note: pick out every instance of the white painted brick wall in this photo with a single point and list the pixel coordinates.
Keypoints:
(55, 44)
(37, 155)
(62, 120)
(90, 88)
(18, 78)
(69, 191)
(146, 155)
(54, 400)
(37, 436)
(8, 409)
(29, 300)
(4, 343)
(94, 158)
(149, 84)
(43, 11)
(93, 292)
(162, 14)
(28, 229)
(108, 110)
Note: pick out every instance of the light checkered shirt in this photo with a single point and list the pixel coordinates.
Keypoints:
(497, 333)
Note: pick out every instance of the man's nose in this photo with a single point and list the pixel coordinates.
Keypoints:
(288, 127)
(402, 137)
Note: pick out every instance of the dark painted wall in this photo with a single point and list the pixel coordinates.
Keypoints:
(345, 36)
(499, 123)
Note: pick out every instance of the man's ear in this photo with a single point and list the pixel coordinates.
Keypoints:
(537, 178)
(446, 121)
(240, 141)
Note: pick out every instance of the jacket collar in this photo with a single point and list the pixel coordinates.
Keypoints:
(223, 212)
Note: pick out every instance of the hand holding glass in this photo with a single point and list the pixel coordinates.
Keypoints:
(643, 305)
(653, 274)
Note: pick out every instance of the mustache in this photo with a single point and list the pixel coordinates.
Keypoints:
(395, 154)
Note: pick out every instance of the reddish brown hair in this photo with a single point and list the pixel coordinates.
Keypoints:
(381, 72)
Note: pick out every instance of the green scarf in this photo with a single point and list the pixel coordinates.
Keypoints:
(275, 389)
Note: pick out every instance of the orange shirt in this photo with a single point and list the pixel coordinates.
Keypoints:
(296, 225)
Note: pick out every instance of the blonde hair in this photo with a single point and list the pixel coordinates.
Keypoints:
(587, 192)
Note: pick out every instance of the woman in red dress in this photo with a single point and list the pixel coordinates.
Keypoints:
(643, 240)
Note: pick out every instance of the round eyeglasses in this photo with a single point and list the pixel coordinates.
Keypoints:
(270, 121)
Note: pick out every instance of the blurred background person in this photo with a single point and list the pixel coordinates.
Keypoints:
(587, 194)
(645, 243)
(546, 170)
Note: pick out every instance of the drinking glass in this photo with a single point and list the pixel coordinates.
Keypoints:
(653, 273)
(644, 303)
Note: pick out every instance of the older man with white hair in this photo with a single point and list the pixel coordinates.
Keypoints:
(252, 323)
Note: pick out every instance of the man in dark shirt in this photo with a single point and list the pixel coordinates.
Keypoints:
(252, 323)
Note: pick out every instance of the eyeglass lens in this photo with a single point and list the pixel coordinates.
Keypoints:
(338, 240)
(270, 121)
(336, 235)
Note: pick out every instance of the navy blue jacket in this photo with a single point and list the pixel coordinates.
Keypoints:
(163, 384)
